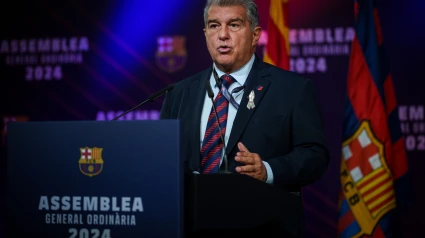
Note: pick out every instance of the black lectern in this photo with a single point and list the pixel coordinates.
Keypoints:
(235, 205)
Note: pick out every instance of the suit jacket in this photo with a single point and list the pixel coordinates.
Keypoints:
(285, 128)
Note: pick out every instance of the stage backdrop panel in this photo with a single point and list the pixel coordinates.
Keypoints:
(91, 60)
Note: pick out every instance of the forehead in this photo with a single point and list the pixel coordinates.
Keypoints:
(226, 13)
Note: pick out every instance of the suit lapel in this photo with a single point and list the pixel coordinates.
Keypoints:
(197, 97)
(258, 83)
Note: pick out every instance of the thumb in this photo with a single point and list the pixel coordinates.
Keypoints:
(242, 147)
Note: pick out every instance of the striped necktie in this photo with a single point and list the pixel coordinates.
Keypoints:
(212, 145)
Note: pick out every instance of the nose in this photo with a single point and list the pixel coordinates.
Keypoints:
(224, 33)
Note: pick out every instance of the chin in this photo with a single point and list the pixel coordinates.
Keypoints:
(225, 61)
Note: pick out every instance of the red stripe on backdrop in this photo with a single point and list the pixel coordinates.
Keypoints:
(378, 233)
(276, 46)
(356, 9)
(364, 96)
(390, 99)
(398, 159)
(345, 221)
(378, 26)
(285, 8)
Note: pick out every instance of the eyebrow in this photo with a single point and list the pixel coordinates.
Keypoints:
(236, 19)
(231, 20)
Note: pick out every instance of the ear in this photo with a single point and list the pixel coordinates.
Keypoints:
(256, 33)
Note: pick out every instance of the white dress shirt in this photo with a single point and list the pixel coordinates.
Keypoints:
(240, 75)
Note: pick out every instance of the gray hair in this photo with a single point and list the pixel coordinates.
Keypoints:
(249, 5)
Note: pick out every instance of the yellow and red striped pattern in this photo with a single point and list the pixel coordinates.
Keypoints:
(277, 51)
(96, 153)
(377, 191)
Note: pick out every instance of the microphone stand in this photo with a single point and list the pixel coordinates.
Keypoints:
(151, 98)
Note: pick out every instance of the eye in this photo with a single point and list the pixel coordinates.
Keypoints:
(213, 26)
(234, 26)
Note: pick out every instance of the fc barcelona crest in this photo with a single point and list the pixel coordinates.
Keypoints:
(91, 162)
(366, 180)
(171, 54)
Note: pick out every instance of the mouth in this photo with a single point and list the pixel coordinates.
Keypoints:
(224, 49)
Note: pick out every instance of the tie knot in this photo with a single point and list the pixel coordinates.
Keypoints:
(227, 80)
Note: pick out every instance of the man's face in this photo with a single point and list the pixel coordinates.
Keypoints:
(230, 40)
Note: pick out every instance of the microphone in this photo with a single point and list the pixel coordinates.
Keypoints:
(217, 80)
(151, 98)
(211, 96)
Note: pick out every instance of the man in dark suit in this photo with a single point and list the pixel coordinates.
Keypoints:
(269, 117)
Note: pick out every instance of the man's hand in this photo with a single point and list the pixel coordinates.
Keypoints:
(253, 167)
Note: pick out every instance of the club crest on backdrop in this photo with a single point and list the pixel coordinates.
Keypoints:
(171, 53)
(365, 183)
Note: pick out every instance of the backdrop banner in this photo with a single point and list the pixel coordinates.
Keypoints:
(92, 60)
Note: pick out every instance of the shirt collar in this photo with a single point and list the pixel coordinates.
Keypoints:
(241, 74)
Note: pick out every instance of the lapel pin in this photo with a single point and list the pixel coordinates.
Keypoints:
(259, 88)
(251, 97)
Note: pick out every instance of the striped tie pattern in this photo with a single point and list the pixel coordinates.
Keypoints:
(212, 144)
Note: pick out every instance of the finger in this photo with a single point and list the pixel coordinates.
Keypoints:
(242, 147)
(245, 169)
(245, 159)
(244, 154)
